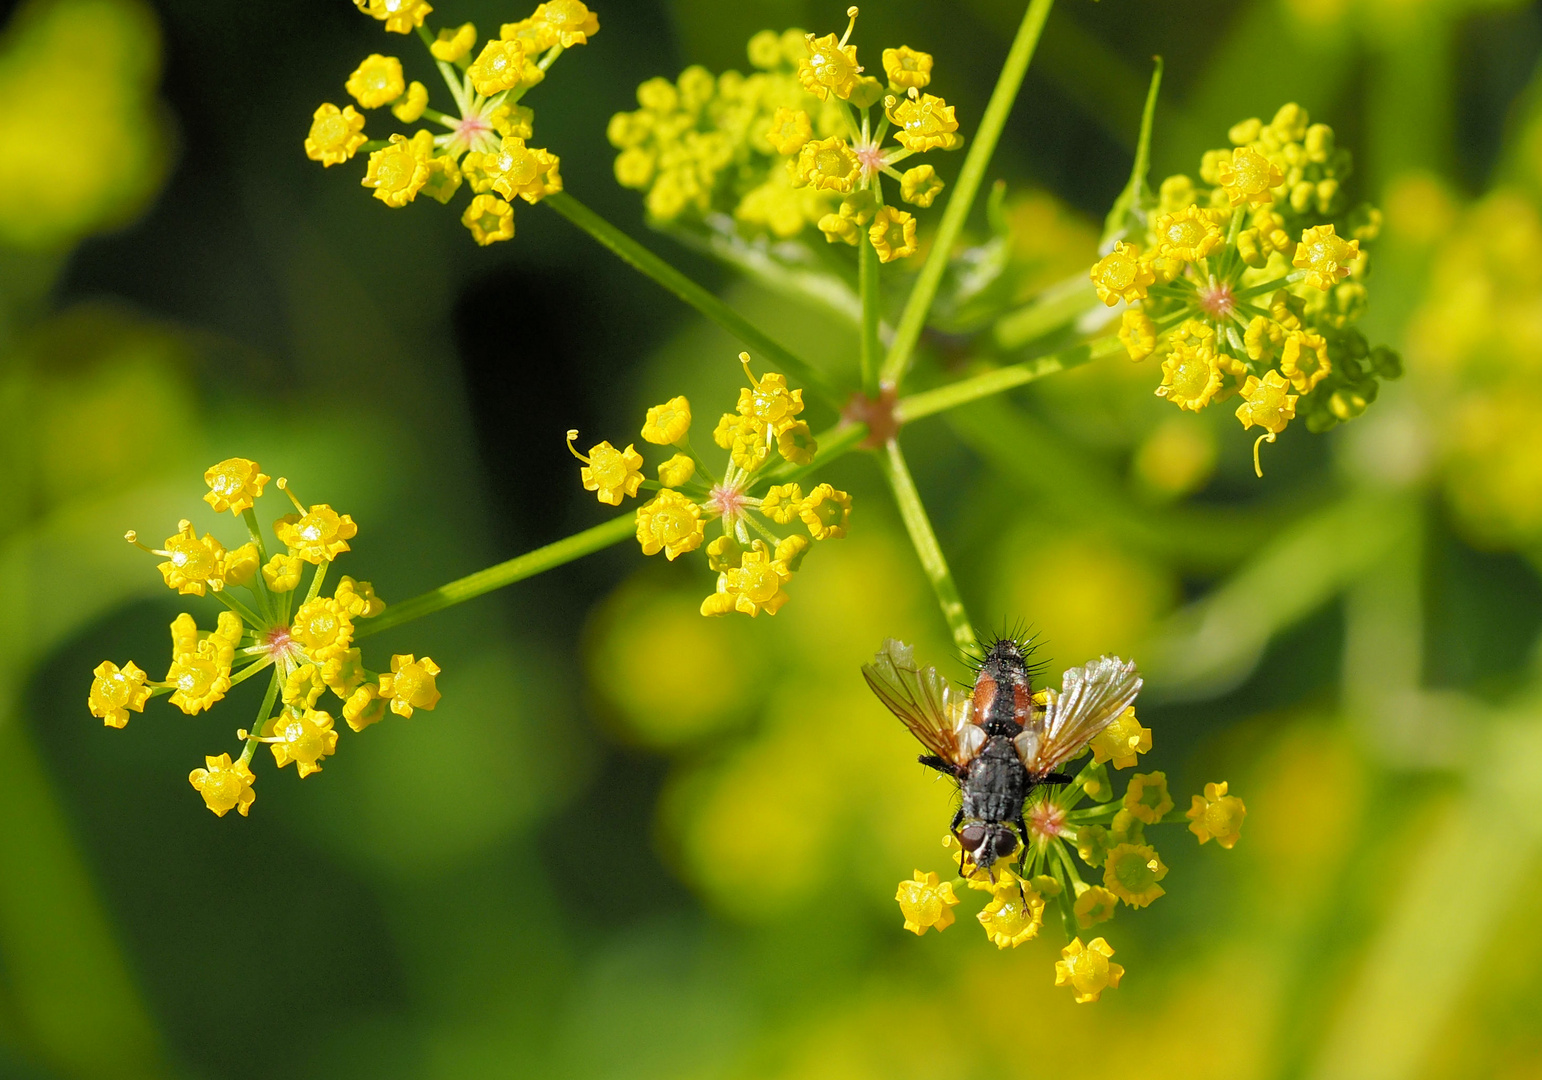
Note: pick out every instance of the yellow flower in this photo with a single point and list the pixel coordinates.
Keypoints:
(907, 68)
(410, 684)
(925, 122)
(926, 902)
(517, 169)
(411, 107)
(282, 572)
(1012, 917)
(893, 234)
(224, 785)
(453, 45)
(1248, 176)
(1093, 843)
(444, 178)
(303, 739)
(755, 585)
(830, 68)
(1215, 815)
(1121, 741)
(489, 218)
(1266, 403)
(790, 129)
(1147, 797)
(536, 35)
(782, 502)
(1087, 969)
(335, 136)
(767, 401)
(1137, 333)
(826, 512)
(671, 523)
(1094, 904)
(791, 550)
(302, 687)
(377, 81)
(568, 21)
(322, 628)
(828, 165)
(668, 424)
(358, 598)
(677, 471)
(116, 691)
(343, 673)
(364, 707)
(610, 473)
(1131, 872)
(240, 565)
(1190, 234)
(1190, 376)
(192, 565)
(317, 535)
(1304, 360)
(396, 172)
(1120, 275)
(795, 442)
(399, 16)
(838, 228)
(200, 669)
(920, 186)
(1325, 256)
(500, 66)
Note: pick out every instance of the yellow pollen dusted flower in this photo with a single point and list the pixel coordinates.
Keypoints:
(893, 234)
(669, 423)
(925, 123)
(1131, 872)
(1190, 234)
(322, 628)
(1266, 403)
(525, 171)
(1190, 376)
(396, 172)
(410, 684)
(907, 68)
(1325, 256)
(116, 691)
(795, 442)
(193, 565)
(755, 585)
(568, 21)
(282, 572)
(303, 687)
(453, 45)
(399, 16)
(1248, 177)
(412, 105)
(364, 707)
(782, 502)
(344, 673)
(828, 165)
(489, 218)
(1137, 333)
(826, 512)
(790, 129)
(240, 566)
(500, 66)
(677, 471)
(1093, 843)
(318, 535)
(610, 473)
(377, 81)
(1215, 815)
(1120, 275)
(671, 523)
(1093, 905)
(335, 136)
(767, 400)
(791, 551)
(1147, 797)
(1012, 917)
(358, 598)
(1087, 969)
(920, 186)
(926, 902)
(200, 670)
(830, 67)
(1304, 360)
(225, 785)
(303, 739)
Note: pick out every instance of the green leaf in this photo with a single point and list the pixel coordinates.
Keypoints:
(1126, 213)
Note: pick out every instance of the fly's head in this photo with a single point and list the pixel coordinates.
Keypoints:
(986, 844)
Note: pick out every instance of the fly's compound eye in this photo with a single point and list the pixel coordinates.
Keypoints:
(1004, 844)
(972, 837)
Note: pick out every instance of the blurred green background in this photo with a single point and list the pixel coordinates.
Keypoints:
(635, 843)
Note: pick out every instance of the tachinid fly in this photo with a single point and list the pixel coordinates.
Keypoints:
(997, 742)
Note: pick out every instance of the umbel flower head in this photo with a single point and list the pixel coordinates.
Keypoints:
(1247, 283)
(1075, 829)
(303, 640)
(483, 142)
(763, 531)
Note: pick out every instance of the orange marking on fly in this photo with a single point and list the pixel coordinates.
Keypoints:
(1022, 702)
(984, 695)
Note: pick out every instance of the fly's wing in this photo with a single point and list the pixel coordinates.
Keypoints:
(1091, 697)
(932, 709)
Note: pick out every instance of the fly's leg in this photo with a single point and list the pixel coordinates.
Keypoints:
(942, 765)
(953, 828)
(1022, 858)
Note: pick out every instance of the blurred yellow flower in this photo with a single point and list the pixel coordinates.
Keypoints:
(410, 684)
(1217, 815)
(569, 22)
(1137, 333)
(453, 45)
(399, 16)
(224, 785)
(790, 130)
(116, 691)
(1131, 872)
(926, 902)
(1147, 797)
(412, 106)
(1087, 969)
(1094, 904)
(907, 68)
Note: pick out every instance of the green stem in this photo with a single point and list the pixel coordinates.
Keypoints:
(253, 740)
(317, 577)
(919, 305)
(505, 573)
(925, 541)
(1001, 379)
(834, 443)
(650, 265)
(240, 609)
(867, 281)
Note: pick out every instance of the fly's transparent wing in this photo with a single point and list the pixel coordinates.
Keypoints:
(927, 704)
(1091, 697)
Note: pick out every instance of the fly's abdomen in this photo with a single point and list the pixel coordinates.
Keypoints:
(996, 784)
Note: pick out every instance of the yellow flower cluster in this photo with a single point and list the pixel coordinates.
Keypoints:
(1106, 834)
(1247, 283)
(308, 646)
(484, 143)
(753, 561)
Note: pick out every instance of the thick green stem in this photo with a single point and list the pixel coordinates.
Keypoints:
(964, 190)
(867, 275)
(255, 735)
(505, 573)
(650, 265)
(925, 541)
(1001, 379)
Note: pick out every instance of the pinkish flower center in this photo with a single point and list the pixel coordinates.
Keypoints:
(727, 501)
(1217, 300)
(1046, 819)
(280, 645)
(870, 156)
(470, 127)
